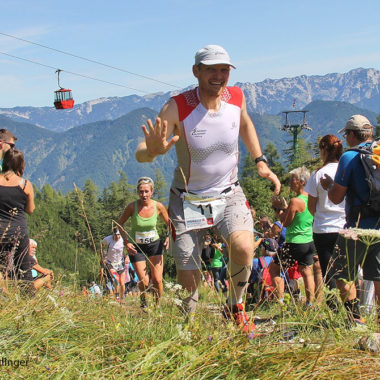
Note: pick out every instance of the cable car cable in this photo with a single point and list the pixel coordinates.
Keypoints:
(72, 73)
(89, 60)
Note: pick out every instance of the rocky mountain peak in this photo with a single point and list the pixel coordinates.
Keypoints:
(359, 86)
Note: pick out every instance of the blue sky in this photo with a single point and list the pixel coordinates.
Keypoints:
(158, 39)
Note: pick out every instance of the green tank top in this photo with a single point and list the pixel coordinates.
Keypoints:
(301, 229)
(217, 259)
(144, 230)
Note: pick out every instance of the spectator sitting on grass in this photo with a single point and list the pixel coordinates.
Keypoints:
(41, 276)
(95, 290)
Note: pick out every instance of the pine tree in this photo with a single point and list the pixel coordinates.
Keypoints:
(257, 190)
(160, 186)
(273, 157)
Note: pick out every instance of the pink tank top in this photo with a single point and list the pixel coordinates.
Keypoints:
(207, 150)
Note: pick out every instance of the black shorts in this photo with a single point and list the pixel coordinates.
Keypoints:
(292, 252)
(146, 250)
(349, 254)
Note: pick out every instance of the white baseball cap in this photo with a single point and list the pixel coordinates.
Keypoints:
(213, 55)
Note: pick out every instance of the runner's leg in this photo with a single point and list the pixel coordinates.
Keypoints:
(189, 280)
(122, 285)
(156, 264)
(143, 283)
(115, 282)
(240, 244)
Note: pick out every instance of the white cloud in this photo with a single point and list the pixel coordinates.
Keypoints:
(9, 44)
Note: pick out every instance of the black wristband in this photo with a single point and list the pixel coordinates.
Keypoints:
(261, 158)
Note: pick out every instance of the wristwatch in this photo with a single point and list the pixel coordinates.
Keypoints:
(261, 158)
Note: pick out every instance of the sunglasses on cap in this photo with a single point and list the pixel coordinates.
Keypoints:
(144, 180)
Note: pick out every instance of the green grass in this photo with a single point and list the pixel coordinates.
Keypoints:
(65, 335)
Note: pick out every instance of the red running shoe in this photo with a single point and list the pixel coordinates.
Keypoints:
(238, 314)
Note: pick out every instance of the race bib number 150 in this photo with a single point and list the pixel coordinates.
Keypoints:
(145, 237)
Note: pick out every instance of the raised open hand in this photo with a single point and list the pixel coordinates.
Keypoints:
(155, 137)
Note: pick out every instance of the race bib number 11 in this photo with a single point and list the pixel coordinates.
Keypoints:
(202, 213)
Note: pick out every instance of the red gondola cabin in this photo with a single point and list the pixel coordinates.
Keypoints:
(63, 99)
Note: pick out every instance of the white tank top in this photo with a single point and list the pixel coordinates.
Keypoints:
(207, 150)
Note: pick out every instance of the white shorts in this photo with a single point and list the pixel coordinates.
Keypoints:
(187, 246)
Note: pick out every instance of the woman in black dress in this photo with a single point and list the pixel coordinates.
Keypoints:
(16, 198)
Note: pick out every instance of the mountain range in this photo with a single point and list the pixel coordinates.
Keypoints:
(59, 152)
(360, 87)
(101, 150)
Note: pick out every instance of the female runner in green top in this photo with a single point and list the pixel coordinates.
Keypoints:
(145, 244)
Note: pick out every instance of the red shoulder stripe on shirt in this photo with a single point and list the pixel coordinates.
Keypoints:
(186, 102)
(233, 95)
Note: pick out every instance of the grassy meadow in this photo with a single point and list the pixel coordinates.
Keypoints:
(62, 334)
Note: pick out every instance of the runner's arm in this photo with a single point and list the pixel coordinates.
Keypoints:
(165, 217)
(157, 137)
(127, 213)
(251, 140)
(103, 249)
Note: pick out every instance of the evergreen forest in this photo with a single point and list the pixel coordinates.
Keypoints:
(69, 227)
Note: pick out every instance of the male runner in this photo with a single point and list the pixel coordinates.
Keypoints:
(206, 123)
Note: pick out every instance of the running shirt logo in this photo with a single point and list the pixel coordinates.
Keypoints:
(197, 132)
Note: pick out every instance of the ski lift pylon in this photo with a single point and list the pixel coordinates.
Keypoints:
(289, 125)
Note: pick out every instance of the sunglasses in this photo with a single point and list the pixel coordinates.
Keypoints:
(12, 145)
(145, 180)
